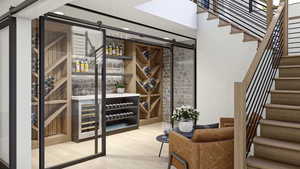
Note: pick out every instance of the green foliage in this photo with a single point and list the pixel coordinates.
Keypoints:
(185, 113)
(119, 85)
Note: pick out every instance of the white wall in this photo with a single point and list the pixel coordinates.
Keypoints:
(222, 59)
(294, 9)
(180, 11)
(23, 93)
(4, 95)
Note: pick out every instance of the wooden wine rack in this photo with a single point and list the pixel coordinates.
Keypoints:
(58, 99)
(152, 97)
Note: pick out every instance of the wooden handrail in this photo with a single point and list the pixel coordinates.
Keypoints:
(240, 88)
(259, 54)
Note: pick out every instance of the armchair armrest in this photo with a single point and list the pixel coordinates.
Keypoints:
(184, 148)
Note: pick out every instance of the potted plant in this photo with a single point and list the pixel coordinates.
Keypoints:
(185, 115)
(120, 87)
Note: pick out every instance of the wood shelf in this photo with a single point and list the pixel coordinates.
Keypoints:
(155, 70)
(55, 114)
(139, 85)
(154, 104)
(50, 45)
(57, 85)
(120, 57)
(52, 67)
(143, 108)
(141, 72)
(51, 102)
(141, 56)
(107, 74)
(152, 97)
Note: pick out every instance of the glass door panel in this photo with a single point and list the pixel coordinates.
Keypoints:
(4, 97)
(8, 94)
(72, 93)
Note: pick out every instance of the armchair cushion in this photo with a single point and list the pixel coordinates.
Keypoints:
(211, 135)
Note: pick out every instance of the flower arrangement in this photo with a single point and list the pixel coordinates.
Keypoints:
(185, 113)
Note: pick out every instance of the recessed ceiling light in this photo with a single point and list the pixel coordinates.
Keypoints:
(59, 13)
(167, 38)
(127, 29)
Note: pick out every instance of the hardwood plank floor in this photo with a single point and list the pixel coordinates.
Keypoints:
(137, 149)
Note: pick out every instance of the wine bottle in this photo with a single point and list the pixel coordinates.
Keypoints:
(146, 54)
(110, 49)
(106, 50)
(117, 50)
(147, 70)
(121, 51)
(82, 66)
(86, 66)
(113, 49)
(77, 66)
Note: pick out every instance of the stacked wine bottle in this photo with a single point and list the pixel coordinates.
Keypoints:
(119, 116)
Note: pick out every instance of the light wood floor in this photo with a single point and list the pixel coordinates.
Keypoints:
(136, 149)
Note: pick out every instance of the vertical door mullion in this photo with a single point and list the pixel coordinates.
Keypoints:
(41, 92)
(172, 85)
(12, 94)
(103, 95)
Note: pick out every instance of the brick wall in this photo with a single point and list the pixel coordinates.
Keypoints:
(183, 79)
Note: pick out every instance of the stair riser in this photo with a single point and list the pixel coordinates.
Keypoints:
(289, 72)
(287, 84)
(285, 98)
(277, 154)
(290, 61)
(283, 115)
(280, 133)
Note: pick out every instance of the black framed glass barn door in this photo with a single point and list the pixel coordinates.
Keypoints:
(8, 93)
(72, 85)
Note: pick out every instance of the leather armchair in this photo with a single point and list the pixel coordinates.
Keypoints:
(208, 149)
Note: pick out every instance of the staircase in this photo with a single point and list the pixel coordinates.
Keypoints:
(278, 146)
(247, 37)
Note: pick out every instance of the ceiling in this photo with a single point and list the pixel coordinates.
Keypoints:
(127, 9)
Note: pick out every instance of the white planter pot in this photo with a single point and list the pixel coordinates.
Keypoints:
(186, 125)
(120, 90)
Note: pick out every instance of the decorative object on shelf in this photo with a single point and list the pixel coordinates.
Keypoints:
(185, 115)
(120, 88)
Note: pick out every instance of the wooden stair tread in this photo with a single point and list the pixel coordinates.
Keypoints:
(268, 164)
(287, 78)
(235, 30)
(249, 38)
(286, 91)
(211, 16)
(290, 56)
(289, 66)
(279, 106)
(277, 143)
(223, 23)
(280, 124)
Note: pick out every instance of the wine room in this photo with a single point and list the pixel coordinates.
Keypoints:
(91, 81)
